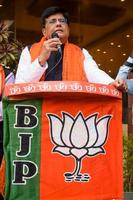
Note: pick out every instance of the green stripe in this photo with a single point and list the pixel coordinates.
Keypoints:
(31, 190)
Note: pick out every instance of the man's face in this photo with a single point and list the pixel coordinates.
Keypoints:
(56, 23)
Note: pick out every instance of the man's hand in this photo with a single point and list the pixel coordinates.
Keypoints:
(120, 85)
(48, 46)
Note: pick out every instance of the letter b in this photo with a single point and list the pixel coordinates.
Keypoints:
(25, 116)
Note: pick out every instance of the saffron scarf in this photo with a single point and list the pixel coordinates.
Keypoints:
(2, 167)
(73, 58)
(2, 177)
(2, 79)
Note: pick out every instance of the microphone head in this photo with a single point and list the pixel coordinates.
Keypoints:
(55, 35)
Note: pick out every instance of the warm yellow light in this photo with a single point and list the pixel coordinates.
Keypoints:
(112, 43)
(111, 59)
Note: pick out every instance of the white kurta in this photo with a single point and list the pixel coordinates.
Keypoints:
(32, 72)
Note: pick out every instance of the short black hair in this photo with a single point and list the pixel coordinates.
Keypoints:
(54, 10)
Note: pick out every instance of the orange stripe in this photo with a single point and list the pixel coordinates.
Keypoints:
(105, 170)
(2, 79)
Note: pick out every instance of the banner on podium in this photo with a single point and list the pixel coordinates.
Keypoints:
(62, 147)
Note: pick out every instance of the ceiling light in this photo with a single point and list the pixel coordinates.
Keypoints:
(111, 59)
(124, 54)
(118, 45)
(1, 5)
(98, 50)
(109, 71)
(128, 36)
(122, 0)
(112, 43)
(104, 52)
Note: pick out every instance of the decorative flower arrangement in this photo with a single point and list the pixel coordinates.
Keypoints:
(10, 48)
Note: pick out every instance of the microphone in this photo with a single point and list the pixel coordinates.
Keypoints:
(55, 35)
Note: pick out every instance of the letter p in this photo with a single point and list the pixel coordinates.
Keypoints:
(23, 170)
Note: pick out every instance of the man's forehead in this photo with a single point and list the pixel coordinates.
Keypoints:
(55, 16)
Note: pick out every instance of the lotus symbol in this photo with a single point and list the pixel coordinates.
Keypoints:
(78, 137)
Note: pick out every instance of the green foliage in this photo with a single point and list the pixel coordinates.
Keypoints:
(128, 163)
(10, 48)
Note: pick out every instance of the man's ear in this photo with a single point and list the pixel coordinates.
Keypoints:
(43, 31)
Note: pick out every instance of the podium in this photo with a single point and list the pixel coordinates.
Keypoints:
(63, 140)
